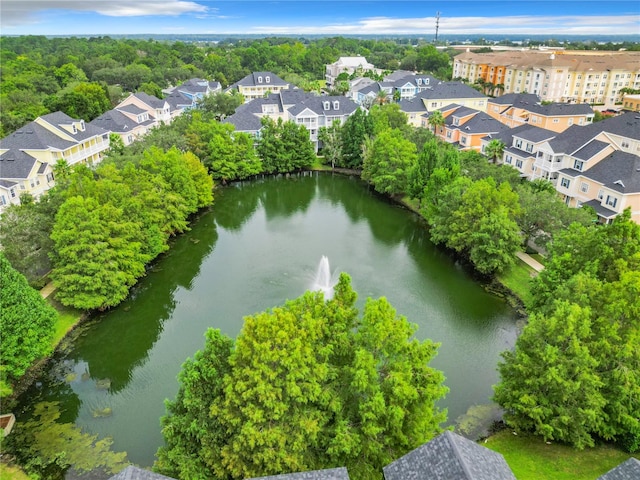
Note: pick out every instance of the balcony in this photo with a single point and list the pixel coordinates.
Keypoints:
(86, 152)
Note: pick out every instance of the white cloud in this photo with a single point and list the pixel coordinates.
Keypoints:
(17, 12)
(526, 25)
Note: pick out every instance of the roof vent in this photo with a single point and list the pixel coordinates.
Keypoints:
(619, 182)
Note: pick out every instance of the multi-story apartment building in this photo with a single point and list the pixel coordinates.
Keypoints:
(515, 109)
(348, 65)
(578, 77)
(258, 84)
(466, 127)
(312, 111)
(27, 156)
(596, 165)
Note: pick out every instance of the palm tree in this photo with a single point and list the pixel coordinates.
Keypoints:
(436, 120)
(381, 98)
(494, 150)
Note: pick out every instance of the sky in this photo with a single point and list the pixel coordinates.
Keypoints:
(304, 17)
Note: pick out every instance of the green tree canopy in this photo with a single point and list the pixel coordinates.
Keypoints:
(306, 385)
(26, 323)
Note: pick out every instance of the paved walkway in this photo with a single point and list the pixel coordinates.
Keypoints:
(529, 260)
(47, 290)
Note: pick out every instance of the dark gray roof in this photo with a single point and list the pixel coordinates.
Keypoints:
(449, 457)
(397, 75)
(251, 80)
(244, 122)
(327, 474)
(177, 100)
(603, 212)
(16, 164)
(316, 104)
(625, 125)
(512, 98)
(7, 183)
(412, 105)
(131, 108)
(560, 109)
(135, 473)
(629, 470)
(462, 111)
(590, 150)
(150, 100)
(450, 90)
(197, 85)
(619, 171)
(116, 121)
(59, 118)
(479, 122)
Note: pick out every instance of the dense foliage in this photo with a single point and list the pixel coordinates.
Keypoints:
(575, 373)
(26, 323)
(307, 385)
(284, 147)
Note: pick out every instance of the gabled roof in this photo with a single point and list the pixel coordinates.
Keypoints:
(251, 80)
(516, 98)
(629, 470)
(590, 149)
(57, 119)
(353, 62)
(560, 109)
(317, 104)
(327, 474)
(7, 184)
(619, 171)
(135, 473)
(244, 121)
(450, 90)
(150, 100)
(412, 105)
(132, 108)
(16, 164)
(603, 212)
(116, 121)
(626, 125)
(449, 456)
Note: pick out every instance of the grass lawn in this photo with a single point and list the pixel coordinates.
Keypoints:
(530, 458)
(11, 473)
(517, 279)
(67, 318)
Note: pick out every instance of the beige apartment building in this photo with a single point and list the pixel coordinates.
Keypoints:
(562, 76)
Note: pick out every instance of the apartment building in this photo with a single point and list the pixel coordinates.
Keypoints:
(27, 156)
(312, 111)
(258, 84)
(466, 127)
(515, 109)
(348, 65)
(562, 76)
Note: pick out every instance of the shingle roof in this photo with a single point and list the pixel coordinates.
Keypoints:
(57, 119)
(590, 149)
(619, 171)
(449, 456)
(251, 80)
(629, 470)
(150, 100)
(412, 105)
(327, 474)
(244, 121)
(603, 212)
(135, 473)
(316, 104)
(16, 164)
(514, 98)
(7, 184)
(450, 90)
(131, 108)
(116, 121)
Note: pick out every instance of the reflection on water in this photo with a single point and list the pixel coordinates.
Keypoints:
(257, 247)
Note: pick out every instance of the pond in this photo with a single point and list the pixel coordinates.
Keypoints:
(259, 245)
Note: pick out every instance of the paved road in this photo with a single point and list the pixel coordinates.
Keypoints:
(532, 262)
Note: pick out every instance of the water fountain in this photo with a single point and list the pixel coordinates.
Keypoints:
(324, 280)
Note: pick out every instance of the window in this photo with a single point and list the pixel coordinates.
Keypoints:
(448, 134)
(12, 192)
(463, 140)
(625, 144)
(267, 79)
(259, 79)
(578, 164)
(519, 163)
(336, 105)
(584, 187)
(556, 120)
(326, 105)
(529, 147)
(508, 159)
(518, 143)
(3, 200)
(612, 201)
(600, 194)
(434, 104)
(565, 182)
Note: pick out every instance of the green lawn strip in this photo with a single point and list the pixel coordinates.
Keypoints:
(518, 280)
(12, 473)
(67, 318)
(539, 258)
(530, 458)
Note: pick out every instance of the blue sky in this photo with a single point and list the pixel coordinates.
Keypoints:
(103, 17)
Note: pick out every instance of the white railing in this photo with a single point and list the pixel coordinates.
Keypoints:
(85, 153)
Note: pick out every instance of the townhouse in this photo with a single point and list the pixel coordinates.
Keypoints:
(396, 87)
(466, 127)
(257, 85)
(515, 109)
(349, 65)
(596, 165)
(158, 109)
(130, 122)
(312, 111)
(577, 77)
(28, 155)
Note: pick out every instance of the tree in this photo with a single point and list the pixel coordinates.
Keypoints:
(494, 150)
(549, 383)
(357, 127)
(331, 138)
(284, 146)
(220, 105)
(96, 260)
(387, 116)
(436, 120)
(26, 322)
(306, 385)
(391, 159)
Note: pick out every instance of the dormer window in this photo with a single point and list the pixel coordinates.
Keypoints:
(419, 81)
(259, 79)
(336, 105)
(326, 105)
(82, 125)
(267, 79)
(75, 130)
